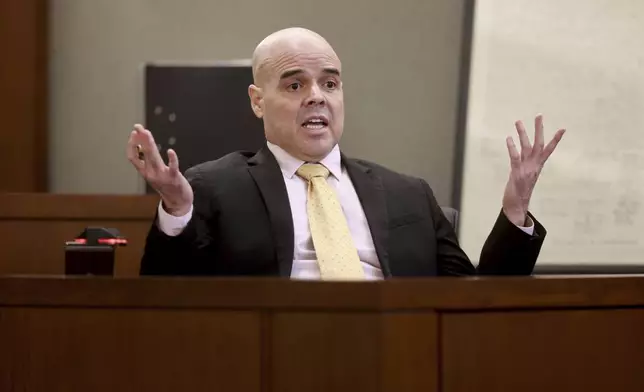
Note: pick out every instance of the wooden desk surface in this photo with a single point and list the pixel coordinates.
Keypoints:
(441, 294)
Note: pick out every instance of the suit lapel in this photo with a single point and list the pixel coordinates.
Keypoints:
(371, 193)
(267, 175)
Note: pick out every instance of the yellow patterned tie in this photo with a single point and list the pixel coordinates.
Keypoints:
(337, 255)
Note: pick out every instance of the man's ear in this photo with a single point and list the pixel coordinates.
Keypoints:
(256, 95)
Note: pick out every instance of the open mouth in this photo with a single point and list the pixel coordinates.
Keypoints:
(315, 123)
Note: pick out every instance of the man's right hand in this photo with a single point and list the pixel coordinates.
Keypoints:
(175, 191)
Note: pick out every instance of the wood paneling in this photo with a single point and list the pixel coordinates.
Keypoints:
(34, 228)
(256, 334)
(80, 350)
(37, 247)
(326, 351)
(566, 350)
(409, 352)
(23, 96)
(346, 351)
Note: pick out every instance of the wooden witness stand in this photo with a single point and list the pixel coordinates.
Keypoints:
(488, 334)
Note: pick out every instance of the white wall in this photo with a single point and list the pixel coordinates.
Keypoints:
(401, 63)
(580, 63)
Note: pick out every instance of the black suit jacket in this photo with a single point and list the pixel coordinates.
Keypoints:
(242, 225)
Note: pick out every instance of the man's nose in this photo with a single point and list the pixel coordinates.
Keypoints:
(315, 97)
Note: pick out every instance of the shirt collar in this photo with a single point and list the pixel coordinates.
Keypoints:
(289, 164)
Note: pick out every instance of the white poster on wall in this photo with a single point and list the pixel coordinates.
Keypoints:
(580, 64)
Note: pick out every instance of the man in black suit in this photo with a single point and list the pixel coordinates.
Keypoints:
(300, 208)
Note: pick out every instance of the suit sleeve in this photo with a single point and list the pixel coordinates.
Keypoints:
(508, 250)
(189, 252)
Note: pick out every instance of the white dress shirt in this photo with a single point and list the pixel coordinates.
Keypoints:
(304, 260)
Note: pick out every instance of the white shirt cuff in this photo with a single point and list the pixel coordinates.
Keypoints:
(172, 225)
(528, 229)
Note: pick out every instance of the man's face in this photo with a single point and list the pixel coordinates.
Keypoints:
(301, 100)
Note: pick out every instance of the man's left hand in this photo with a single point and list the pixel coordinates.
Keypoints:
(525, 169)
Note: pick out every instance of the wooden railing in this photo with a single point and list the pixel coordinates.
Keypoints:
(34, 228)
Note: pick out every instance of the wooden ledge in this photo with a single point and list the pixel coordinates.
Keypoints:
(47, 206)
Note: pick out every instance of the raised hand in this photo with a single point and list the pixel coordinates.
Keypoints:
(525, 169)
(167, 180)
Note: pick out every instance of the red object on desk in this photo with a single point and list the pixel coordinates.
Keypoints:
(112, 241)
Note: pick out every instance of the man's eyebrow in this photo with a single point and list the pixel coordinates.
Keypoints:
(297, 71)
(332, 71)
(289, 73)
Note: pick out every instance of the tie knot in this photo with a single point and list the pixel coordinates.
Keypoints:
(310, 170)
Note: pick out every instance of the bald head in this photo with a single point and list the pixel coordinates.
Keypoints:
(273, 48)
(297, 92)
